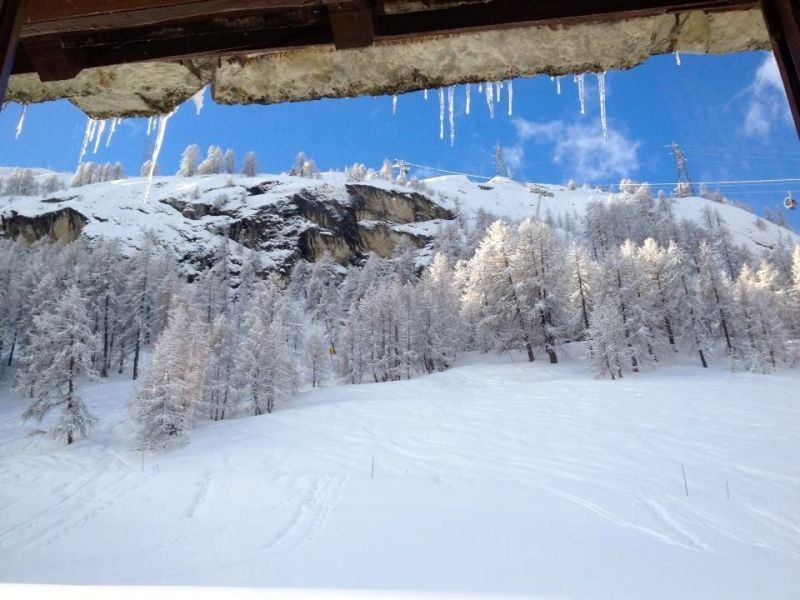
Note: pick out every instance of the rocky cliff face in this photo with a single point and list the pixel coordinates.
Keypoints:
(282, 218)
(64, 224)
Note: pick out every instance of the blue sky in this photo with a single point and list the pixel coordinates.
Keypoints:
(729, 113)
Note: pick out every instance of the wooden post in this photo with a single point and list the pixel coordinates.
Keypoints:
(10, 23)
(782, 18)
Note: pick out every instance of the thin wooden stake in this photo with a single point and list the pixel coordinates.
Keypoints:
(685, 485)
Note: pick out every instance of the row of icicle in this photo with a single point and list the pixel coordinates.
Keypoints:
(95, 128)
(493, 93)
(158, 124)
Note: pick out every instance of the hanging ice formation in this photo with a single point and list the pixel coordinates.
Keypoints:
(498, 87)
(161, 129)
(469, 96)
(394, 104)
(490, 99)
(21, 122)
(677, 58)
(101, 126)
(114, 123)
(579, 79)
(441, 114)
(558, 84)
(510, 97)
(88, 136)
(601, 86)
(150, 121)
(199, 99)
(480, 88)
(425, 93)
(451, 93)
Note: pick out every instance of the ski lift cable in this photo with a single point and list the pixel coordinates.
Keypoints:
(721, 182)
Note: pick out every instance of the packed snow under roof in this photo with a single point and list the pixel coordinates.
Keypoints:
(414, 51)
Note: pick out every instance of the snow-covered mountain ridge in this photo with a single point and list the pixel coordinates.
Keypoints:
(285, 218)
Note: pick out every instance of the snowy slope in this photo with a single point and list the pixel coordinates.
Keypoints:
(514, 200)
(513, 478)
(116, 209)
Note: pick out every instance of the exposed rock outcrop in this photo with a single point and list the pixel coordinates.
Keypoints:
(282, 219)
(62, 224)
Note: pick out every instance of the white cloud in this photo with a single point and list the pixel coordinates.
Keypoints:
(582, 150)
(514, 157)
(766, 101)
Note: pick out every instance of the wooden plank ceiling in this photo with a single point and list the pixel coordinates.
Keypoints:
(59, 39)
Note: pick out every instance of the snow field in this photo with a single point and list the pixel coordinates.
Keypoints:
(522, 479)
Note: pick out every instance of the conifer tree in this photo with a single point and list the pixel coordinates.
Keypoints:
(250, 165)
(59, 353)
(189, 158)
(163, 408)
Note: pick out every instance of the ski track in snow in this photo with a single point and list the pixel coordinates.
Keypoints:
(264, 501)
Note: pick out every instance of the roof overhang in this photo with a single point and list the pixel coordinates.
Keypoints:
(144, 57)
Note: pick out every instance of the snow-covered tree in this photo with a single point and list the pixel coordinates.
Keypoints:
(213, 162)
(755, 293)
(144, 170)
(219, 388)
(387, 170)
(440, 327)
(490, 296)
(250, 165)
(189, 158)
(58, 355)
(322, 298)
(264, 360)
(537, 269)
(229, 161)
(52, 183)
(163, 408)
(609, 350)
(357, 172)
(20, 182)
(317, 360)
(581, 276)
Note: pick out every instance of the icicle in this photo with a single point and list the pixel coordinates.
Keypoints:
(469, 94)
(581, 92)
(21, 122)
(394, 104)
(425, 93)
(441, 114)
(198, 99)
(558, 84)
(480, 88)
(601, 86)
(510, 97)
(498, 87)
(677, 58)
(162, 128)
(114, 123)
(88, 134)
(451, 93)
(150, 121)
(99, 134)
(490, 99)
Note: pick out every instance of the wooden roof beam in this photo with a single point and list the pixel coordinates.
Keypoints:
(352, 24)
(782, 18)
(10, 24)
